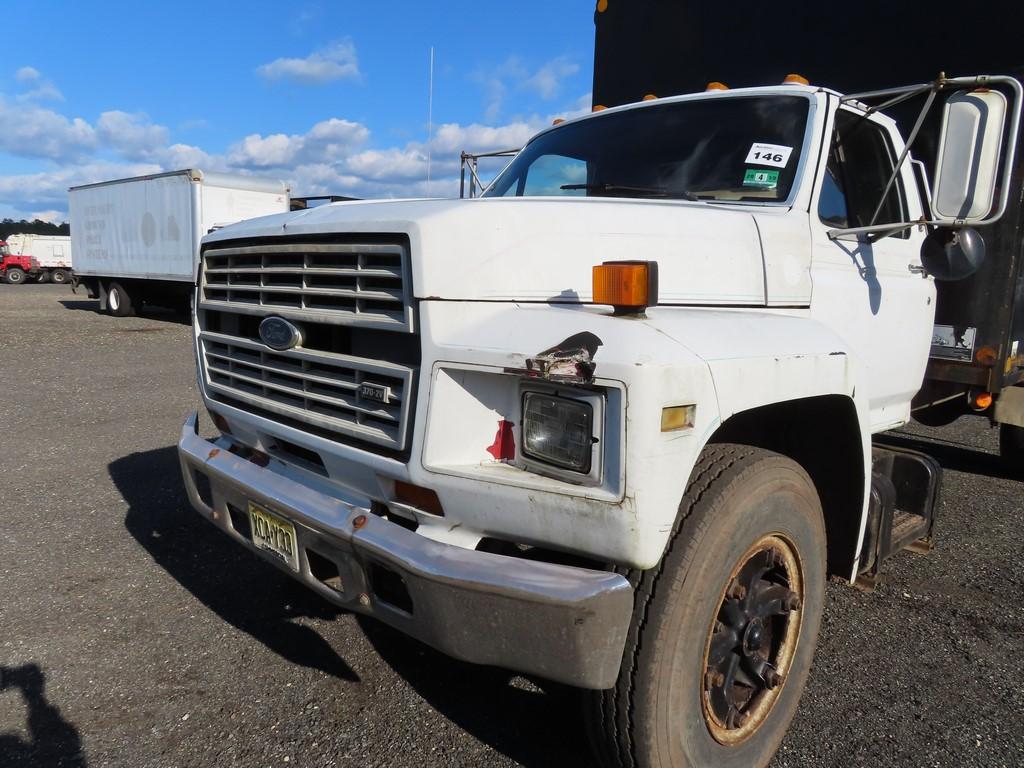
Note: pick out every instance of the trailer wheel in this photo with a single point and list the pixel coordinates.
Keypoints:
(14, 276)
(59, 276)
(119, 301)
(724, 629)
(1011, 446)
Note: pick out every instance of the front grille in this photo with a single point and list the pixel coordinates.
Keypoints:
(351, 300)
(365, 283)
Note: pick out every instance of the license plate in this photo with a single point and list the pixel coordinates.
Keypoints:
(271, 533)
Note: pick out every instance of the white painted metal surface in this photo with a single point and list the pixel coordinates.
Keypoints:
(757, 306)
(150, 226)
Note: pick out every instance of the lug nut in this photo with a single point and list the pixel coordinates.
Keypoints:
(791, 602)
(713, 679)
(736, 592)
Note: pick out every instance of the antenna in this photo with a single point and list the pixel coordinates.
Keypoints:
(430, 113)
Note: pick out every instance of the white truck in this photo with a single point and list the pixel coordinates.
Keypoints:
(51, 255)
(137, 240)
(610, 423)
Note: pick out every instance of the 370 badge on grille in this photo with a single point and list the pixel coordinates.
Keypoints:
(375, 392)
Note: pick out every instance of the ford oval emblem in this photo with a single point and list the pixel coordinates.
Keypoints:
(277, 333)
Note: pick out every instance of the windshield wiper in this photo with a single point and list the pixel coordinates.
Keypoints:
(608, 187)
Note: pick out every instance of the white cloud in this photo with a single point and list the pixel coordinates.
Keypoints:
(32, 131)
(394, 164)
(328, 140)
(27, 75)
(514, 74)
(49, 189)
(452, 138)
(40, 89)
(338, 61)
(547, 81)
(131, 135)
(51, 216)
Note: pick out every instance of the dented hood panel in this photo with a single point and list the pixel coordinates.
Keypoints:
(543, 249)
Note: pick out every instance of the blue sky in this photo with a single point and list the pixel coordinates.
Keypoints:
(331, 96)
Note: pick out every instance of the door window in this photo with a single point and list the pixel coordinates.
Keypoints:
(860, 163)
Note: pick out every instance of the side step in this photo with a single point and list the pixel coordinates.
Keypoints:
(904, 498)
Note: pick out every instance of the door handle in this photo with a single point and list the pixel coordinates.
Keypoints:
(917, 269)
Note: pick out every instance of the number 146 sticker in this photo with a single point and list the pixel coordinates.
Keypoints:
(769, 154)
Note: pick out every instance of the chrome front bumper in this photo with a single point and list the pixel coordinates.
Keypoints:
(559, 622)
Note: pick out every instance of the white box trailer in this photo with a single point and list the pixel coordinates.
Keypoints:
(137, 240)
(50, 254)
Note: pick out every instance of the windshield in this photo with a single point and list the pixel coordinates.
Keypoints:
(730, 149)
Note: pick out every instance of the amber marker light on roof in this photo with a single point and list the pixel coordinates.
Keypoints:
(649, 97)
(558, 121)
(628, 286)
(795, 79)
(714, 85)
(598, 108)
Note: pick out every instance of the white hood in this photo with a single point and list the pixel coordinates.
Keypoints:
(543, 249)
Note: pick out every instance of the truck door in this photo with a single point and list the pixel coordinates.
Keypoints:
(872, 290)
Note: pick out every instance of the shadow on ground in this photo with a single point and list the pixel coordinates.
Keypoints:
(218, 572)
(535, 722)
(53, 742)
(955, 456)
(147, 312)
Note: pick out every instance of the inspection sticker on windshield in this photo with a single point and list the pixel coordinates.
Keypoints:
(769, 154)
(761, 179)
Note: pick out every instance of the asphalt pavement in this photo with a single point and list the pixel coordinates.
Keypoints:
(134, 634)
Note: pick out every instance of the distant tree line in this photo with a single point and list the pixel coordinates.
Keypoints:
(35, 227)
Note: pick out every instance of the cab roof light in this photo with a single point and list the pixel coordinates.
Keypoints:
(794, 79)
(558, 121)
(649, 97)
(714, 85)
(628, 286)
(598, 108)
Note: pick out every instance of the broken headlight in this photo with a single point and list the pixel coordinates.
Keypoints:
(558, 431)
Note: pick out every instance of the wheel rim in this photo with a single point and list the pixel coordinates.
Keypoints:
(15, 277)
(114, 299)
(752, 640)
(57, 277)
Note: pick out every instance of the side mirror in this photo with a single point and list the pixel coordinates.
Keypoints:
(967, 166)
(950, 255)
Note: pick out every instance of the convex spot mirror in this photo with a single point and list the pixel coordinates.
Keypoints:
(967, 165)
(950, 255)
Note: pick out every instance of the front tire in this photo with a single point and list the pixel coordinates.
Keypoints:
(119, 301)
(14, 276)
(724, 629)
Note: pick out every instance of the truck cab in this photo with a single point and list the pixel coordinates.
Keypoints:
(609, 423)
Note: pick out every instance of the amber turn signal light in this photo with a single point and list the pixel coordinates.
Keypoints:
(795, 79)
(629, 286)
(419, 497)
(981, 401)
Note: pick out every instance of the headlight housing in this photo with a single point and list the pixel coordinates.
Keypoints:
(561, 433)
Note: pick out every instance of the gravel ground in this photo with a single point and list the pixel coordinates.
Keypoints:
(133, 634)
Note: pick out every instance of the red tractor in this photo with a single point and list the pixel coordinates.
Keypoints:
(13, 267)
